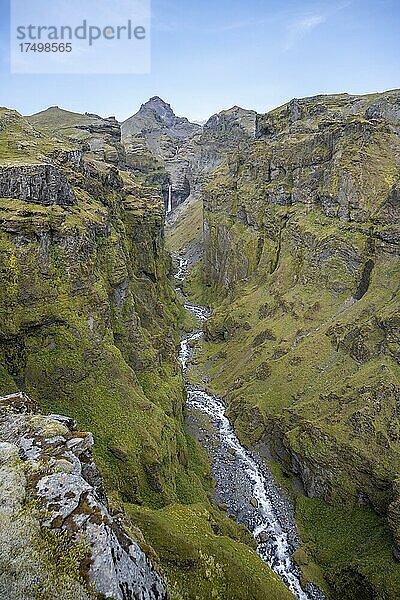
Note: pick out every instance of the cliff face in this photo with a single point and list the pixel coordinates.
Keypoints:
(310, 217)
(227, 131)
(87, 311)
(301, 233)
(189, 153)
(336, 164)
(89, 324)
(40, 184)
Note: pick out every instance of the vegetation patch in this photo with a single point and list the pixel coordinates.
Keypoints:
(205, 555)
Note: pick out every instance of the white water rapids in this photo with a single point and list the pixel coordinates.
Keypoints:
(267, 516)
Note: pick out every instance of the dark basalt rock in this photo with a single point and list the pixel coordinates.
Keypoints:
(42, 184)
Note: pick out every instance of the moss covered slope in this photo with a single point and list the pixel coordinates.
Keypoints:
(86, 307)
(302, 242)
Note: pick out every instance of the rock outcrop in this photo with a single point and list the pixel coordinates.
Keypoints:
(52, 498)
(41, 184)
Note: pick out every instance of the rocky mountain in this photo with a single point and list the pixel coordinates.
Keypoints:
(89, 323)
(301, 264)
(187, 151)
(157, 129)
(157, 116)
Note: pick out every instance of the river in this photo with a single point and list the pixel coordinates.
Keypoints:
(244, 486)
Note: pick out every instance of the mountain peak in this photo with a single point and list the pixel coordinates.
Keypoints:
(157, 115)
(156, 101)
(161, 109)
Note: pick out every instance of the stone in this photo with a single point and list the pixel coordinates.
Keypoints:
(67, 503)
(38, 183)
(78, 445)
(8, 453)
(63, 491)
(67, 421)
(64, 466)
(119, 568)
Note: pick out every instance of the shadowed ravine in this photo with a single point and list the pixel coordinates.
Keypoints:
(244, 485)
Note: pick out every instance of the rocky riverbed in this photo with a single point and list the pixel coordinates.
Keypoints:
(244, 487)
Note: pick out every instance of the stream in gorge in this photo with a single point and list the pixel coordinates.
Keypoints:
(244, 487)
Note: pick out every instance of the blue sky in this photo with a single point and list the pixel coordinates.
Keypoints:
(210, 55)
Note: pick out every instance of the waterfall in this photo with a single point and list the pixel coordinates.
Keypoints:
(169, 205)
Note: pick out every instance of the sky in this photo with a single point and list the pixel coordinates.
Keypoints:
(209, 55)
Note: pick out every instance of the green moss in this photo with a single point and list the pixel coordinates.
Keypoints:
(320, 363)
(187, 229)
(205, 555)
(62, 562)
(353, 548)
(310, 571)
(89, 326)
(196, 290)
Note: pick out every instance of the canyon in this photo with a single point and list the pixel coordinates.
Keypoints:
(281, 232)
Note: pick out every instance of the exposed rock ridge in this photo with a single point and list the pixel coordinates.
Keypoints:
(60, 490)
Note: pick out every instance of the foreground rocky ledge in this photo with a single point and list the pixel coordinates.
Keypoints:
(57, 537)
